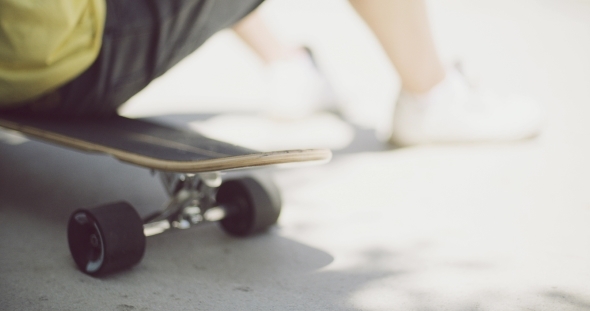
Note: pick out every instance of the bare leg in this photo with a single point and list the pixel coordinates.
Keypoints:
(253, 31)
(296, 87)
(402, 27)
(436, 106)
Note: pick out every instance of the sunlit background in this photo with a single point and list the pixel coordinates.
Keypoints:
(478, 227)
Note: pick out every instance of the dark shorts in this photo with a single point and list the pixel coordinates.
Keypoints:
(141, 41)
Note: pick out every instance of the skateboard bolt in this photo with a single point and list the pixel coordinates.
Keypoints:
(94, 240)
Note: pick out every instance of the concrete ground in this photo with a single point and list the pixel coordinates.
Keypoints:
(483, 227)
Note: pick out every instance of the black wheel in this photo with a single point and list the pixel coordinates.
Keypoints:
(252, 206)
(106, 239)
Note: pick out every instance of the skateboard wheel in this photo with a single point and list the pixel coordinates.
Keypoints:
(252, 207)
(106, 239)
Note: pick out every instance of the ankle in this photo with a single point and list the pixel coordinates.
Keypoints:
(425, 84)
(287, 54)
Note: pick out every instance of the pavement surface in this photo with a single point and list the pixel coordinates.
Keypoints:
(479, 227)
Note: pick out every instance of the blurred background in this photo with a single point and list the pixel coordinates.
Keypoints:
(460, 227)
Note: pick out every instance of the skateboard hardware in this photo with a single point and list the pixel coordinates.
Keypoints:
(112, 237)
(192, 201)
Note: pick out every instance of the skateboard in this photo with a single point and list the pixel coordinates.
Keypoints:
(112, 237)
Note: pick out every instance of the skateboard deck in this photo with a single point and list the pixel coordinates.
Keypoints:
(112, 237)
(152, 145)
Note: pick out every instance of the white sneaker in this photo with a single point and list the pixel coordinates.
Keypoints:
(452, 112)
(298, 88)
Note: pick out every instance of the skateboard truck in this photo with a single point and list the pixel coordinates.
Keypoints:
(192, 201)
(112, 237)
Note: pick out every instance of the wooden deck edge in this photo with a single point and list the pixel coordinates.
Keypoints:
(219, 164)
(232, 162)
